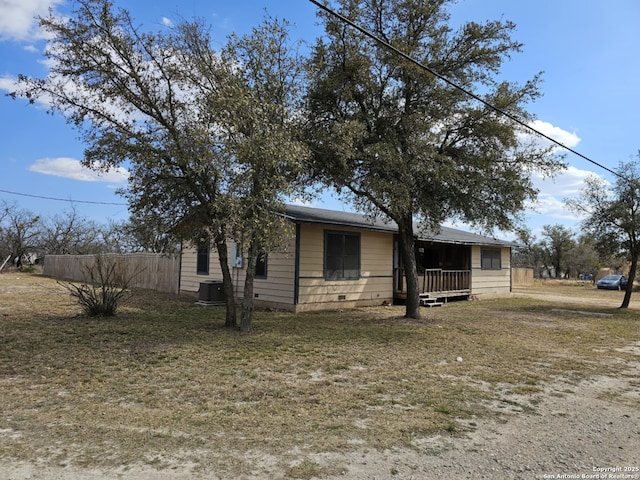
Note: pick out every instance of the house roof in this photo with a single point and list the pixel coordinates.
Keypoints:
(300, 214)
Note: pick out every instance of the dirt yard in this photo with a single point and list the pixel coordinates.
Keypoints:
(567, 429)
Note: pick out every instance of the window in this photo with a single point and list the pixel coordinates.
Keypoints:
(202, 258)
(491, 259)
(341, 256)
(261, 266)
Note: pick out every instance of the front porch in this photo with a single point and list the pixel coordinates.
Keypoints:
(435, 283)
(444, 271)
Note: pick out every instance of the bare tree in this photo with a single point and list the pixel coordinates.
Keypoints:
(18, 233)
(70, 233)
(104, 287)
(529, 252)
(148, 232)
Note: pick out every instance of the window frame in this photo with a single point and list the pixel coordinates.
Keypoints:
(203, 255)
(263, 259)
(339, 274)
(494, 257)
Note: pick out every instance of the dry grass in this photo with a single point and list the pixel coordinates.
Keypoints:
(162, 384)
(582, 288)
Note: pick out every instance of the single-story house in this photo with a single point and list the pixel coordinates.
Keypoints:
(338, 259)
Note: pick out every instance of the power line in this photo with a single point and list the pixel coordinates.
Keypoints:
(407, 57)
(458, 87)
(90, 202)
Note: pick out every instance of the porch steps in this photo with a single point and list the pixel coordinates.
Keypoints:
(427, 301)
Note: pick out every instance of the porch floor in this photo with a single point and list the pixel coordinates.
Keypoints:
(437, 295)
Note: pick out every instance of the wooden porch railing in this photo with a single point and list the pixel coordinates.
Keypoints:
(436, 280)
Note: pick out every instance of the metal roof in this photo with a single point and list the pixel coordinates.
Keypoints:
(300, 214)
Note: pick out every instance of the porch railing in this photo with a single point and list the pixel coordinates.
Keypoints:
(436, 280)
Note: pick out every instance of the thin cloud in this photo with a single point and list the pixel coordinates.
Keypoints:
(566, 138)
(9, 84)
(73, 169)
(167, 22)
(18, 18)
(554, 191)
(568, 182)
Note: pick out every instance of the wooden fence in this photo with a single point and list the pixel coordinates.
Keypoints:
(148, 270)
(521, 277)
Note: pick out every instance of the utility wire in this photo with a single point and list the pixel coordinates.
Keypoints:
(409, 58)
(458, 87)
(64, 199)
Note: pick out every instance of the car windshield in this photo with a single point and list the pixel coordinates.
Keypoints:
(612, 277)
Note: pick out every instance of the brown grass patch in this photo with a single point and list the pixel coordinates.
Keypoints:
(162, 384)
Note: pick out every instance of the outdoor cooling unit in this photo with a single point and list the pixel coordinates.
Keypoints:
(211, 293)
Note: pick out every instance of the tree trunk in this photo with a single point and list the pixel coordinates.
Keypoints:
(632, 275)
(247, 300)
(227, 282)
(408, 252)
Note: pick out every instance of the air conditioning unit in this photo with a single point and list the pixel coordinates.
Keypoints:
(211, 292)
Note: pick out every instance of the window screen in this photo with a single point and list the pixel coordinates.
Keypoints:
(341, 256)
(491, 259)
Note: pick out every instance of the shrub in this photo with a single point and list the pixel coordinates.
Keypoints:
(106, 286)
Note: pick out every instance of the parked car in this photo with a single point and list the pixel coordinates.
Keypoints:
(613, 282)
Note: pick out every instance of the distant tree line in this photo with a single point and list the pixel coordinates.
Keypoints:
(27, 237)
(560, 252)
(610, 232)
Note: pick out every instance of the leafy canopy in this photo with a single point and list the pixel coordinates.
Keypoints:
(401, 142)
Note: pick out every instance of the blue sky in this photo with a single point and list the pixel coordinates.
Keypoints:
(587, 50)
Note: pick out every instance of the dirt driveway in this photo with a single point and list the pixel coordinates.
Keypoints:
(591, 297)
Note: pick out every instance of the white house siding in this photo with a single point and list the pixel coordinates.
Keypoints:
(276, 290)
(189, 280)
(490, 282)
(278, 287)
(374, 286)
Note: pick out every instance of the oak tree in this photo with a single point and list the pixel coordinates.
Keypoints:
(558, 243)
(404, 145)
(193, 124)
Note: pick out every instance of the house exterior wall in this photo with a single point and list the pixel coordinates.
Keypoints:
(276, 290)
(189, 279)
(314, 292)
(490, 282)
(374, 286)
